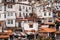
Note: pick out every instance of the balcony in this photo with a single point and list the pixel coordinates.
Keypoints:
(20, 19)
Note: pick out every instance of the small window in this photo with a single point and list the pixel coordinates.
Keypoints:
(44, 14)
(4, 15)
(8, 14)
(20, 14)
(9, 6)
(11, 21)
(29, 8)
(8, 21)
(24, 14)
(19, 24)
(30, 26)
(20, 8)
(11, 14)
(50, 20)
(49, 14)
(0, 8)
(26, 9)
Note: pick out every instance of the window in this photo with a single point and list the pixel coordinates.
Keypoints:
(26, 9)
(44, 14)
(10, 21)
(0, 8)
(24, 14)
(57, 7)
(10, 14)
(23, 7)
(4, 15)
(49, 14)
(20, 8)
(30, 26)
(29, 8)
(20, 14)
(10, 6)
(50, 20)
(19, 24)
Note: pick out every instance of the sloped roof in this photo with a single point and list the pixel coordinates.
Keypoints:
(47, 30)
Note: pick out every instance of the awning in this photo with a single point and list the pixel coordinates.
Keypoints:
(4, 36)
(47, 30)
(29, 30)
(49, 23)
(9, 32)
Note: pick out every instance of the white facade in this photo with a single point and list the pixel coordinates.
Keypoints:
(2, 12)
(23, 10)
(10, 23)
(10, 7)
(34, 26)
(37, 9)
(10, 15)
(47, 14)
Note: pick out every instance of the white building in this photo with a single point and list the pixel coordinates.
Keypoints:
(23, 9)
(44, 11)
(29, 27)
(1, 15)
(1, 11)
(37, 8)
(10, 14)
